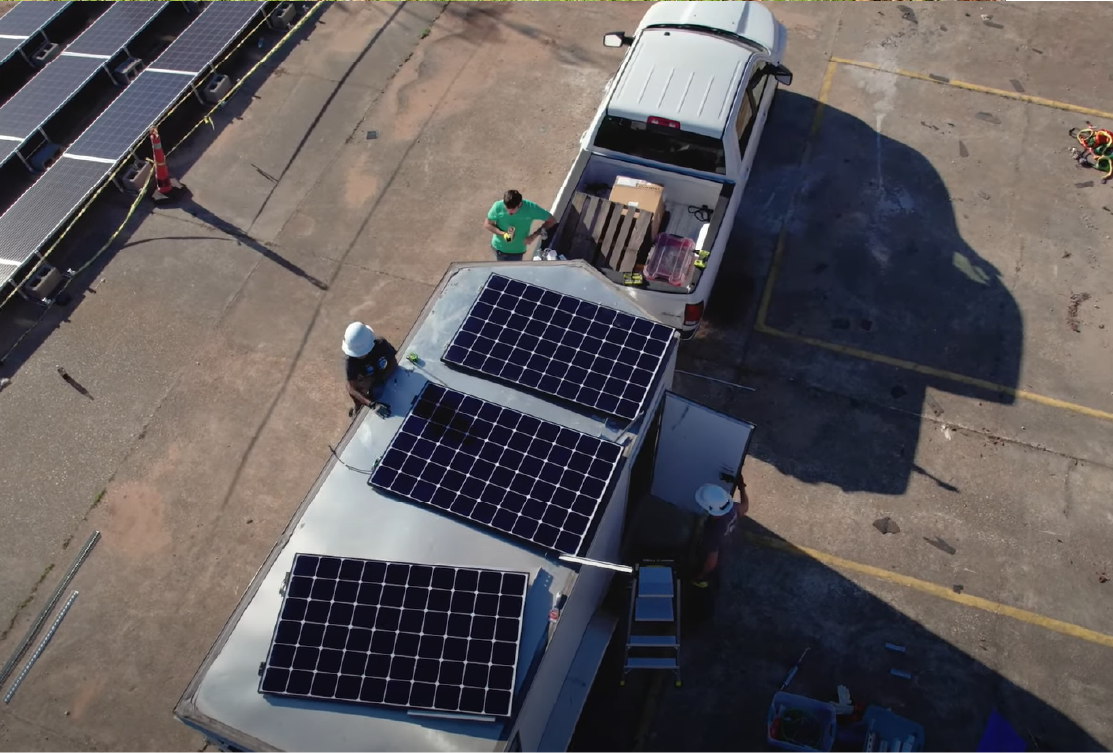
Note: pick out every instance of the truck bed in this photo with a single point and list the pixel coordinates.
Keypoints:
(617, 240)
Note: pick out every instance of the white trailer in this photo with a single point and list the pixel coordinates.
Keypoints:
(685, 112)
(671, 448)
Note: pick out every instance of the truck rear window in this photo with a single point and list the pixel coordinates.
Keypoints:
(671, 146)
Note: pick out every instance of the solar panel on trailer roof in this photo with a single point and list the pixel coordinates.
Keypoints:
(113, 30)
(206, 37)
(44, 94)
(425, 637)
(27, 18)
(502, 469)
(43, 207)
(557, 344)
(130, 116)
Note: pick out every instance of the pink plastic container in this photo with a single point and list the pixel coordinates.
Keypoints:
(671, 260)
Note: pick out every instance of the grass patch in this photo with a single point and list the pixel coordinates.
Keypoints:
(96, 500)
(23, 604)
(425, 32)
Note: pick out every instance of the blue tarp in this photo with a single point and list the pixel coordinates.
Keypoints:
(1000, 736)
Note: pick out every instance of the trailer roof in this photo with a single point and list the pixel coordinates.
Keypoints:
(344, 516)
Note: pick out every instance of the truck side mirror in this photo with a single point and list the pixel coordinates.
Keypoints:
(783, 75)
(616, 39)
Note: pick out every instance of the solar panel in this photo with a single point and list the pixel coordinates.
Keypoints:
(43, 207)
(557, 344)
(205, 38)
(113, 30)
(130, 116)
(499, 468)
(26, 18)
(44, 94)
(8, 147)
(426, 637)
(8, 48)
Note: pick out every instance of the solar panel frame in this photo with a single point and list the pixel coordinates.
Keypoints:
(208, 36)
(130, 116)
(499, 468)
(557, 344)
(45, 94)
(26, 19)
(115, 28)
(43, 208)
(435, 638)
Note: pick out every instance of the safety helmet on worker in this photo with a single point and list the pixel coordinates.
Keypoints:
(358, 340)
(714, 500)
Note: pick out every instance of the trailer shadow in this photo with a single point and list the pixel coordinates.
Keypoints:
(871, 260)
(774, 603)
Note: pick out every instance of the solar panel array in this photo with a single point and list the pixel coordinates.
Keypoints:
(44, 94)
(50, 201)
(115, 28)
(53, 198)
(26, 19)
(438, 638)
(560, 345)
(207, 37)
(499, 468)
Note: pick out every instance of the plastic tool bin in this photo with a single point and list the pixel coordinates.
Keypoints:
(799, 723)
(671, 260)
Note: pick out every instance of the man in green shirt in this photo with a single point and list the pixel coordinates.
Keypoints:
(509, 223)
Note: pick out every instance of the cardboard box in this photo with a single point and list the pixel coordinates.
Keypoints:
(641, 194)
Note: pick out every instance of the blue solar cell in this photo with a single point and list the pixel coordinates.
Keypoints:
(115, 28)
(557, 344)
(130, 116)
(421, 645)
(26, 18)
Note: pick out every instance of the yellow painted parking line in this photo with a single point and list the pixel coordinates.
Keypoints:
(761, 323)
(778, 251)
(920, 368)
(976, 602)
(1019, 97)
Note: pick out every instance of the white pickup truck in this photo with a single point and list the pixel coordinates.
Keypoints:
(683, 117)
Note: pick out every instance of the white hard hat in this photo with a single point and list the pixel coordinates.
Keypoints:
(713, 499)
(358, 340)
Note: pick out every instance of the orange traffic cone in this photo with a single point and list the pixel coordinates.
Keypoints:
(166, 188)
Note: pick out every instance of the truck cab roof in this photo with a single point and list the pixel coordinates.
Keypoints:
(687, 77)
(748, 21)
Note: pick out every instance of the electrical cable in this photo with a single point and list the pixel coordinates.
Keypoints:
(703, 214)
(349, 467)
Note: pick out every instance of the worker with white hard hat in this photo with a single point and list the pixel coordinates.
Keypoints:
(723, 510)
(367, 363)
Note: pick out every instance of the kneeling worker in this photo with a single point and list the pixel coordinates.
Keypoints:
(369, 361)
(723, 510)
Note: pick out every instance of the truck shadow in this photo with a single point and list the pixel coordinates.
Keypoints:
(774, 603)
(873, 260)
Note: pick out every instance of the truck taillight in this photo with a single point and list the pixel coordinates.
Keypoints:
(663, 122)
(693, 312)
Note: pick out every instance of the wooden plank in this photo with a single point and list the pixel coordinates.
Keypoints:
(563, 241)
(608, 244)
(583, 245)
(599, 229)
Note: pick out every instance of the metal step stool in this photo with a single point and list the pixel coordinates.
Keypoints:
(653, 624)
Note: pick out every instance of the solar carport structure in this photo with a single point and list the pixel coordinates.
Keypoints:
(32, 106)
(20, 25)
(54, 198)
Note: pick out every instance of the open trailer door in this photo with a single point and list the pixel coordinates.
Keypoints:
(696, 445)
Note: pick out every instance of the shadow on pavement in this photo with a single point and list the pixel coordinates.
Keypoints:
(773, 604)
(873, 260)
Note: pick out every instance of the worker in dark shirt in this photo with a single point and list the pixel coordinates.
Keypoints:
(368, 362)
(723, 510)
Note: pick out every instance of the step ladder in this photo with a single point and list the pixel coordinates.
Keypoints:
(653, 624)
